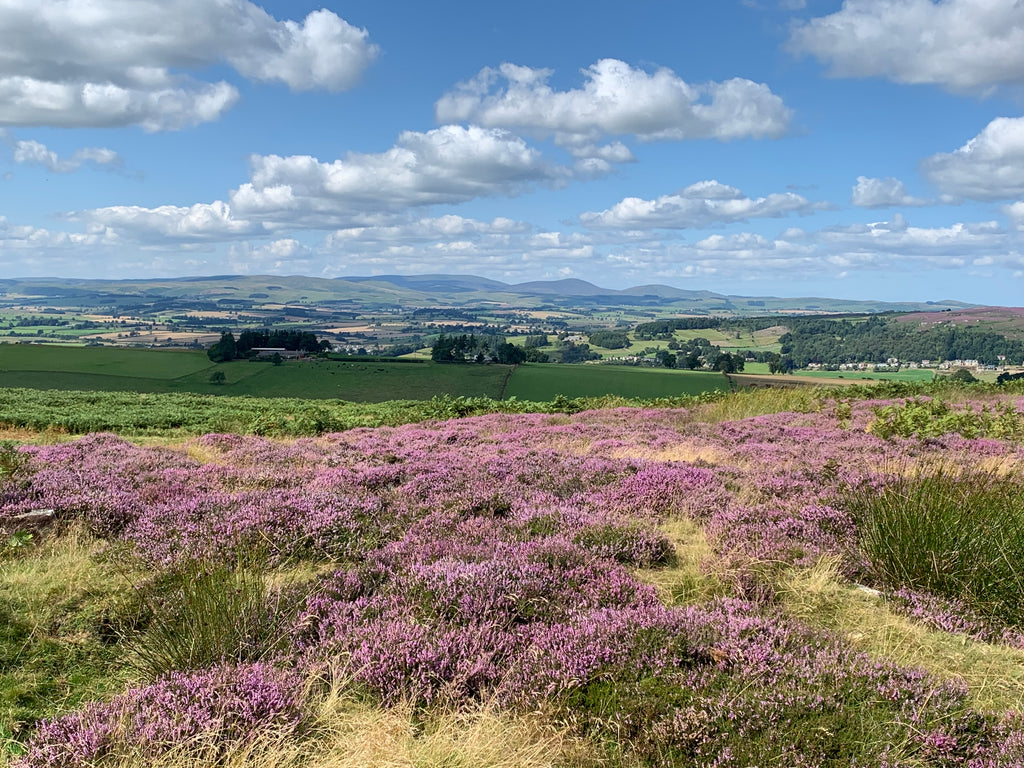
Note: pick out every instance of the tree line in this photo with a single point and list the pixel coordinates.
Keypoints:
(834, 342)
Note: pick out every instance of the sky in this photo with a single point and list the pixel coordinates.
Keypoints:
(858, 149)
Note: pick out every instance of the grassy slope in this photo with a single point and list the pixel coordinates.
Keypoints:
(104, 361)
(369, 382)
(155, 371)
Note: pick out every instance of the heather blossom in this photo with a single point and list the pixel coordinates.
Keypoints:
(201, 711)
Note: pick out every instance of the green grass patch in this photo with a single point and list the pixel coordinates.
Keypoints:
(57, 648)
(546, 381)
(369, 382)
(59, 380)
(153, 371)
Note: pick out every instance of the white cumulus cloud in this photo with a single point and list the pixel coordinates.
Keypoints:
(883, 193)
(616, 100)
(29, 152)
(169, 223)
(447, 165)
(988, 167)
(700, 205)
(963, 45)
(450, 164)
(71, 63)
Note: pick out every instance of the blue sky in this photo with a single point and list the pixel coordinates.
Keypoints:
(860, 149)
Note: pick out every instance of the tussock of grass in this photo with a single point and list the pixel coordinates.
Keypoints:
(201, 613)
(952, 533)
(994, 674)
(55, 642)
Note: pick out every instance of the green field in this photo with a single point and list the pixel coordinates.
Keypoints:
(105, 361)
(370, 382)
(544, 382)
(911, 375)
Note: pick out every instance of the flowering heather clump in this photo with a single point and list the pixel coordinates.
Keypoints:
(782, 536)
(724, 683)
(954, 616)
(202, 711)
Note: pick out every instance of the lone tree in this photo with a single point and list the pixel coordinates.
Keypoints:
(218, 377)
(964, 376)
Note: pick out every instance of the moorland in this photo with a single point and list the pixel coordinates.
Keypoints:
(766, 577)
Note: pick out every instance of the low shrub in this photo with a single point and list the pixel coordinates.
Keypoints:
(933, 418)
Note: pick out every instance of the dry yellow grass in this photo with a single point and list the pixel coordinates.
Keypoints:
(759, 401)
(684, 581)
(349, 733)
(994, 674)
(689, 453)
(59, 568)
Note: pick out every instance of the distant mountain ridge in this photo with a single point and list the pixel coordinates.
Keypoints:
(376, 292)
(565, 287)
(583, 288)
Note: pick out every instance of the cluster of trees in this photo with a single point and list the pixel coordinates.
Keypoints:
(663, 329)
(476, 349)
(571, 352)
(610, 339)
(27, 322)
(692, 354)
(700, 353)
(230, 348)
(295, 340)
(832, 340)
(494, 349)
